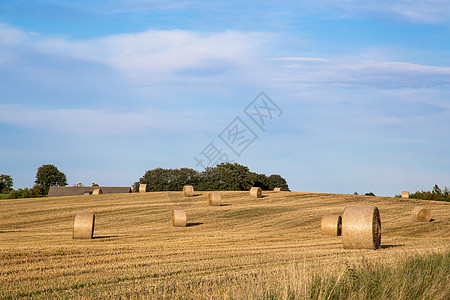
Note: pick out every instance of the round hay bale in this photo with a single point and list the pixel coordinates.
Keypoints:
(420, 214)
(142, 188)
(83, 225)
(331, 225)
(361, 227)
(277, 189)
(255, 192)
(97, 192)
(179, 218)
(214, 199)
(405, 194)
(188, 191)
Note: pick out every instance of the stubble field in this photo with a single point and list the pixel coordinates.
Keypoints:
(246, 248)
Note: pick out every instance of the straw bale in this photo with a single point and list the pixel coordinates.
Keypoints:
(255, 192)
(214, 198)
(277, 189)
(361, 227)
(188, 191)
(331, 225)
(179, 218)
(420, 214)
(83, 225)
(405, 194)
(97, 192)
(142, 188)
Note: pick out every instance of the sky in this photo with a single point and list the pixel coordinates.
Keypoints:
(335, 96)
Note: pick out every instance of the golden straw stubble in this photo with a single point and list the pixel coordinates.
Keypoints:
(420, 214)
(331, 225)
(361, 227)
(188, 191)
(214, 198)
(83, 225)
(179, 218)
(255, 192)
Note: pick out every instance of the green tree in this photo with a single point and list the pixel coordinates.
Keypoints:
(6, 183)
(160, 179)
(223, 177)
(49, 175)
(276, 180)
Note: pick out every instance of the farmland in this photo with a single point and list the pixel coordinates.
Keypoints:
(244, 248)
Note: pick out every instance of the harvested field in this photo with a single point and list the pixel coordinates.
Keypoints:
(228, 251)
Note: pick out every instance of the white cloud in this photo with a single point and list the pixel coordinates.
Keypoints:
(164, 55)
(10, 35)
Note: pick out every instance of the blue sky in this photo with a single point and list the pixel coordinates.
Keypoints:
(106, 90)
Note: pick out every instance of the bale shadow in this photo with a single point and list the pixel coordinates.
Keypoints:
(226, 204)
(193, 224)
(107, 236)
(196, 195)
(432, 220)
(391, 246)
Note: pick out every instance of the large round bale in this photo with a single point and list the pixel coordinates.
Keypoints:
(361, 227)
(214, 198)
(97, 192)
(255, 192)
(420, 214)
(142, 188)
(331, 225)
(179, 218)
(405, 194)
(188, 191)
(83, 225)
(277, 189)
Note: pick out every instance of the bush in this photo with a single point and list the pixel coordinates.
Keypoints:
(35, 192)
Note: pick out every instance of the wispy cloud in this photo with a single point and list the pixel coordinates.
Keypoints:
(98, 122)
(377, 73)
(417, 11)
(163, 55)
(420, 11)
(10, 35)
(303, 59)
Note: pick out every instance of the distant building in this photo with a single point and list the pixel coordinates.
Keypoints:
(58, 191)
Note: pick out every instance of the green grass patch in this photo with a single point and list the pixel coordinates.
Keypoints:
(423, 277)
(4, 196)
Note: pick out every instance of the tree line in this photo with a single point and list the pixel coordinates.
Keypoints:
(435, 194)
(223, 177)
(226, 176)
